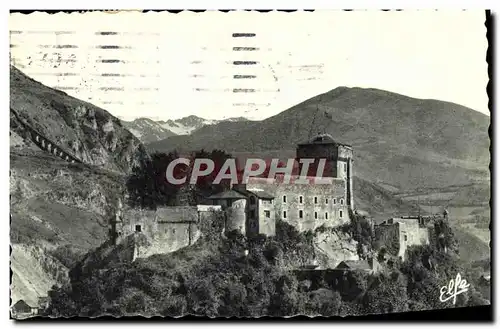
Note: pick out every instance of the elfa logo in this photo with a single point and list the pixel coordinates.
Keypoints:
(202, 167)
(453, 289)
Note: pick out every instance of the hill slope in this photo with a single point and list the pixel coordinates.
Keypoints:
(88, 132)
(60, 210)
(398, 140)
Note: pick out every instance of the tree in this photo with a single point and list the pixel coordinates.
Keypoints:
(445, 238)
(148, 186)
(386, 294)
(361, 230)
(205, 184)
(323, 302)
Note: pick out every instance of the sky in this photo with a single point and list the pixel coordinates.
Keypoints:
(219, 65)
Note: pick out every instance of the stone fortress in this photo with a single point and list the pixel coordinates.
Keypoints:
(253, 208)
(305, 206)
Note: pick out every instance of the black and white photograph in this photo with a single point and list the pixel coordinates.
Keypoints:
(244, 164)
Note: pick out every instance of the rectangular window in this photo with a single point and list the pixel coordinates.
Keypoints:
(345, 167)
(340, 214)
(406, 237)
(252, 214)
(316, 200)
(326, 200)
(284, 198)
(138, 228)
(284, 214)
(301, 214)
(315, 215)
(301, 199)
(267, 213)
(341, 201)
(326, 215)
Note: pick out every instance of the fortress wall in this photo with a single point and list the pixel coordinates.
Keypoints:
(237, 218)
(267, 226)
(166, 229)
(407, 232)
(388, 236)
(292, 206)
(177, 214)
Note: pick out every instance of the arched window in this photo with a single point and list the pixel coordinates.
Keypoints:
(252, 200)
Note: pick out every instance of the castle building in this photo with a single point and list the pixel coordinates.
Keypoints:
(305, 206)
(163, 230)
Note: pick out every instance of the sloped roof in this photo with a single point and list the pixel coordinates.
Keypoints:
(22, 305)
(259, 194)
(354, 264)
(231, 194)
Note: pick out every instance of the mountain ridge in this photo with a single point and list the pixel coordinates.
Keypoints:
(149, 130)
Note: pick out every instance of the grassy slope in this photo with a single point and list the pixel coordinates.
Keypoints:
(58, 202)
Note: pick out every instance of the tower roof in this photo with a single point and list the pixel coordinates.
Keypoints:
(323, 139)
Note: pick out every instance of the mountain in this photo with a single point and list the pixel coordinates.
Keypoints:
(87, 132)
(399, 141)
(147, 130)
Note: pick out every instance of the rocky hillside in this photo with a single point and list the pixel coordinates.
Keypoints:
(88, 132)
(34, 273)
(60, 210)
(398, 140)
